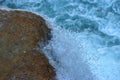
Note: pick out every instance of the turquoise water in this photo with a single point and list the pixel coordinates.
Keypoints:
(86, 36)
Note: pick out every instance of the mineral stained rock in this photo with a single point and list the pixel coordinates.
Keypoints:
(20, 33)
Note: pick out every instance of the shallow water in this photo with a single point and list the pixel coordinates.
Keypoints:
(86, 36)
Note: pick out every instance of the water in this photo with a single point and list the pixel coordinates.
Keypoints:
(86, 36)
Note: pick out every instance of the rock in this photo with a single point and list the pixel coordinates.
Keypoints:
(20, 33)
(31, 66)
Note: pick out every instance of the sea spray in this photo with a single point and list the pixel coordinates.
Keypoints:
(88, 42)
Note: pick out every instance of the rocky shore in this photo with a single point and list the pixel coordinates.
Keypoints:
(20, 58)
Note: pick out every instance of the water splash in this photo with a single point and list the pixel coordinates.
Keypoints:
(89, 48)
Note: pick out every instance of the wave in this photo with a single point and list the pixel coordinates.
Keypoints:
(86, 44)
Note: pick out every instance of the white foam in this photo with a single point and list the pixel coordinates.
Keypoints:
(66, 56)
(80, 56)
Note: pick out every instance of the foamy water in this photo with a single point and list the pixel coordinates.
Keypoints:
(86, 38)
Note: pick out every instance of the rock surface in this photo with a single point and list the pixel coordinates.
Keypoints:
(20, 33)
(31, 66)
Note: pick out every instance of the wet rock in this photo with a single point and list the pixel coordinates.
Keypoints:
(31, 66)
(20, 33)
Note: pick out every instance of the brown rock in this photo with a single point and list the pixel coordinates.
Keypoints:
(20, 32)
(31, 66)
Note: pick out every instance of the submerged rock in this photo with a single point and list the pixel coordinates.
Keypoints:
(20, 33)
